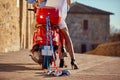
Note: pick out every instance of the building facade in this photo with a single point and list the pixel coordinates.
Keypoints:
(88, 26)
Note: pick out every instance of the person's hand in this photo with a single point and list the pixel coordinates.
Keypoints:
(35, 4)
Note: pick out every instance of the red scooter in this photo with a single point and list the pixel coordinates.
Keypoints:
(47, 38)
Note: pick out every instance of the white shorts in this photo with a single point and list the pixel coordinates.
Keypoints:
(62, 24)
(62, 6)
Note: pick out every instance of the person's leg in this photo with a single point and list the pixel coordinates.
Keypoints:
(62, 52)
(68, 42)
(69, 46)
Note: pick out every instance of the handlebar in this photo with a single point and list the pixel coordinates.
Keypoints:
(30, 9)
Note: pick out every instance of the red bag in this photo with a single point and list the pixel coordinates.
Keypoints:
(53, 14)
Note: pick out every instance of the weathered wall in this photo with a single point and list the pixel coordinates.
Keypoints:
(9, 26)
(15, 23)
(98, 30)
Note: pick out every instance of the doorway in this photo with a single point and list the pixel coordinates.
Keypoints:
(83, 48)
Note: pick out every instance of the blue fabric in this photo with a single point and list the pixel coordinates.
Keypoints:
(68, 7)
(42, 3)
(31, 1)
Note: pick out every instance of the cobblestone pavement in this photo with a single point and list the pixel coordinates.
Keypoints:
(19, 66)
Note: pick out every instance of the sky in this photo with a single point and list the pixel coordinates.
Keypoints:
(112, 6)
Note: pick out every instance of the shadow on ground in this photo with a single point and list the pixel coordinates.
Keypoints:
(11, 67)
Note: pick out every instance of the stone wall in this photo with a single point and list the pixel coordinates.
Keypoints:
(98, 30)
(15, 23)
(9, 26)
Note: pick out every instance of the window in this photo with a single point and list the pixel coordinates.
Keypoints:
(85, 25)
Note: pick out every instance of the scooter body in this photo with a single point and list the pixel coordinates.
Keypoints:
(46, 38)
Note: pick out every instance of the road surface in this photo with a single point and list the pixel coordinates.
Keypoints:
(19, 66)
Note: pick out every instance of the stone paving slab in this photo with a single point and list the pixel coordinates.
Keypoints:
(19, 66)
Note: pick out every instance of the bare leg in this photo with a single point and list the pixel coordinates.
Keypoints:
(68, 42)
(69, 46)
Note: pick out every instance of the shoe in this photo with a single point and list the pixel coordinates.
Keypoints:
(62, 63)
(73, 64)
